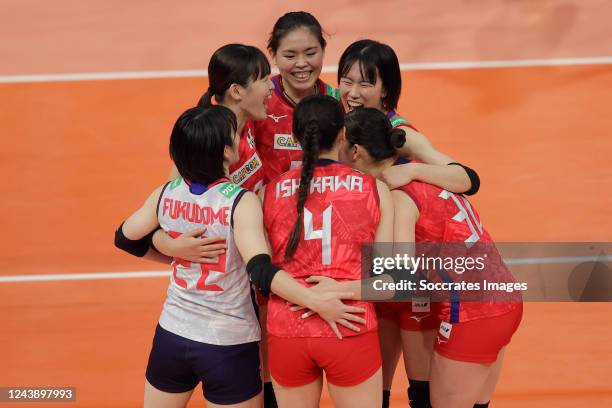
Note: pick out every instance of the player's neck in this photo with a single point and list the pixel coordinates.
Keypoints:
(330, 155)
(294, 95)
(241, 115)
(376, 169)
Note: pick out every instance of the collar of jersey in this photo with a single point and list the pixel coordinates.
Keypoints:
(278, 88)
(326, 162)
(391, 114)
(401, 160)
(199, 189)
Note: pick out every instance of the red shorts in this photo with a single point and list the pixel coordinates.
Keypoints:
(479, 340)
(298, 361)
(418, 315)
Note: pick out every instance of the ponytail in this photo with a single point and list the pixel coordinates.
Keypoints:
(397, 137)
(317, 121)
(206, 99)
(310, 146)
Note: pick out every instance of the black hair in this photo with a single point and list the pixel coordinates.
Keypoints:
(198, 140)
(374, 58)
(317, 120)
(233, 64)
(292, 21)
(370, 128)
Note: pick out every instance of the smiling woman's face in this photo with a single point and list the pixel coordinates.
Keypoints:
(299, 59)
(357, 92)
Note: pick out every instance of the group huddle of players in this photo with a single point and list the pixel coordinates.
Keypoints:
(277, 183)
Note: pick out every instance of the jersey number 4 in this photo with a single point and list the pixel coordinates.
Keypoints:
(205, 270)
(324, 234)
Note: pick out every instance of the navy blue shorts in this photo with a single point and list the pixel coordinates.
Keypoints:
(230, 374)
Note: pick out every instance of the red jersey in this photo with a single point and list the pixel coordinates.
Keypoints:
(341, 213)
(445, 217)
(273, 136)
(248, 171)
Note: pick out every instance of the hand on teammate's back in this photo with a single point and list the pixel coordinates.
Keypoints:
(329, 305)
(397, 176)
(191, 246)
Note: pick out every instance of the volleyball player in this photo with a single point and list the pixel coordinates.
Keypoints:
(469, 346)
(316, 217)
(297, 47)
(208, 330)
(369, 76)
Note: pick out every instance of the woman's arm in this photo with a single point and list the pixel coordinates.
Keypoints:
(191, 246)
(134, 235)
(435, 169)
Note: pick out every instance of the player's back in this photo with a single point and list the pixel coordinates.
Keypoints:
(210, 303)
(449, 227)
(341, 213)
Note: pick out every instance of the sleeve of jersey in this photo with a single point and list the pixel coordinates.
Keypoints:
(397, 121)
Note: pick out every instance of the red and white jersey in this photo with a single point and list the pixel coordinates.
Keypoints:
(445, 217)
(248, 172)
(341, 213)
(273, 136)
(209, 303)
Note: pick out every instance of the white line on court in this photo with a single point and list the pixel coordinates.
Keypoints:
(419, 66)
(158, 274)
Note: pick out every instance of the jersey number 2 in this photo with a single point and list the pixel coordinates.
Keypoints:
(204, 268)
(324, 234)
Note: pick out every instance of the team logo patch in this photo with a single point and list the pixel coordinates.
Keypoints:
(421, 304)
(445, 329)
(245, 171)
(286, 142)
(229, 189)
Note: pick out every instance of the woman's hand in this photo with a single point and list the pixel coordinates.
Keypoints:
(397, 176)
(328, 304)
(191, 246)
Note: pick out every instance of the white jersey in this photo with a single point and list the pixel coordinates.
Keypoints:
(207, 303)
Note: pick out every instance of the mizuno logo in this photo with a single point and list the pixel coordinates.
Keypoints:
(440, 341)
(419, 318)
(277, 118)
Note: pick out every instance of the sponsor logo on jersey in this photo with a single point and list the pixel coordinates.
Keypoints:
(445, 329)
(333, 92)
(246, 170)
(175, 183)
(419, 318)
(286, 142)
(229, 189)
(398, 121)
(420, 305)
(440, 341)
(276, 119)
